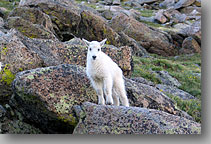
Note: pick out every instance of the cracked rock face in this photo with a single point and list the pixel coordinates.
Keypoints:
(97, 119)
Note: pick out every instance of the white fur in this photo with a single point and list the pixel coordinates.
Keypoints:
(105, 75)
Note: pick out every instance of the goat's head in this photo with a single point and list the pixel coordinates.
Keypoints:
(94, 48)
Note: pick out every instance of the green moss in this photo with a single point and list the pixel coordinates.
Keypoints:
(4, 50)
(30, 77)
(70, 119)
(7, 76)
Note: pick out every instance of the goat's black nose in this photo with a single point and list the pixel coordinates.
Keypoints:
(94, 57)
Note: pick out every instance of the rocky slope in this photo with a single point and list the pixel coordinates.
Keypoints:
(43, 86)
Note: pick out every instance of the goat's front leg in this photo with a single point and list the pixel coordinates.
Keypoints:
(99, 89)
(108, 84)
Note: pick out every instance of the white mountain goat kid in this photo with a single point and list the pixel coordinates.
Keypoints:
(105, 75)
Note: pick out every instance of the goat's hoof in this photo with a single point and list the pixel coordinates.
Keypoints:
(109, 103)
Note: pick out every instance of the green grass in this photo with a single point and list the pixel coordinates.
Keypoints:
(192, 107)
(8, 5)
(147, 13)
(181, 68)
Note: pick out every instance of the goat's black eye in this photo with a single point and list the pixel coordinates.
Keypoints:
(90, 49)
(98, 49)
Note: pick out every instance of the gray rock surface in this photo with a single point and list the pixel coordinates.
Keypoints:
(97, 119)
(175, 91)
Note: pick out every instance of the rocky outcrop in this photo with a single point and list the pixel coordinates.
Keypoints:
(96, 119)
(153, 41)
(46, 96)
(31, 22)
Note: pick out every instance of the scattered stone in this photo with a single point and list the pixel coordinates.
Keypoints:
(188, 10)
(198, 3)
(98, 119)
(167, 79)
(190, 45)
(107, 15)
(160, 17)
(116, 2)
(108, 2)
(167, 4)
(175, 92)
(183, 3)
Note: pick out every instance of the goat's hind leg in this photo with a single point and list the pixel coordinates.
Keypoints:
(115, 97)
(120, 87)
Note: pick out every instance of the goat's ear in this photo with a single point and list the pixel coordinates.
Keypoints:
(86, 42)
(103, 42)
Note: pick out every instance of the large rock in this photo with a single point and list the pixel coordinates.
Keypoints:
(15, 57)
(183, 3)
(194, 31)
(142, 95)
(31, 22)
(153, 41)
(94, 27)
(97, 119)
(137, 49)
(167, 79)
(175, 91)
(46, 96)
(167, 3)
(198, 3)
(189, 46)
(65, 15)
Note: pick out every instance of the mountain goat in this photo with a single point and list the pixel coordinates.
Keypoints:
(105, 75)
